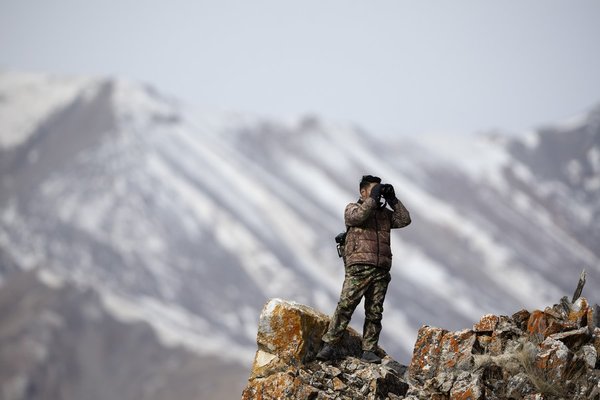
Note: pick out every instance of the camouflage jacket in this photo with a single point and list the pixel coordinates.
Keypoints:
(368, 238)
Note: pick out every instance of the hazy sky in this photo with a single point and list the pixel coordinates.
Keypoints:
(394, 67)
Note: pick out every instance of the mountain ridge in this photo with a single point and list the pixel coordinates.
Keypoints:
(192, 220)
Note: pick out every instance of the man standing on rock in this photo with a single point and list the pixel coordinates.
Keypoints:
(367, 261)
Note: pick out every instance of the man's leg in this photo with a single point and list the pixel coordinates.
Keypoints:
(374, 297)
(356, 283)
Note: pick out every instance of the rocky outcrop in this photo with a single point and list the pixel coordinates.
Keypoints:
(530, 355)
(289, 335)
(543, 354)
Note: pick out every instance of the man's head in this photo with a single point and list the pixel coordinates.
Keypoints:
(366, 184)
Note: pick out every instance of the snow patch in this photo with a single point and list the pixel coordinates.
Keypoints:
(176, 326)
(593, 156)
(592, 184)
(481, 157)
(573, 170)
(50, 279)
(30, 99)
(531, 139)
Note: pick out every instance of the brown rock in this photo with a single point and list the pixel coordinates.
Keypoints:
(518, 386)
(506, 330)
(338, 384)
(277, 386)
(456, 350)
(591, 319)
(594, 322)
(467, 387)
(494, 382)
(497, 344)
(484, 341)
(553, 359)
(289, 333)
(520, 318)
(534, 396)
(443, 382)
(579, 312)
(573, 339)
(589, 355)
(537, 323)
(543, 324)
(426, 353)
(487, 323)
(596, 339)
(511, 361)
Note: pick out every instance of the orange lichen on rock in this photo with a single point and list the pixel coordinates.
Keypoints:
(282, 385)
(286, 332)
(289, 336)
(457, 349)
(553, 359)
(526, 356)
(487, 323)
(544, 324)
(467, 387)
(578, 315)
(466, 394)
(426, 353)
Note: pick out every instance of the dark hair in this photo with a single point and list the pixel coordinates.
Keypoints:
(367, 180)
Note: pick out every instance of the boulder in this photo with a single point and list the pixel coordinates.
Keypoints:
(545, 323)
(579, 312)
(426, 354)
(553, 359)
(456, 350)
(520, 319)
(468, 386)
(573, 339)
(487, 323)
(289, 335)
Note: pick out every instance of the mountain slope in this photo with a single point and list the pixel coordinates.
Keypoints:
(191, 220)
(57, 342)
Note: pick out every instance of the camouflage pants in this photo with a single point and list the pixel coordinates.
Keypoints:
(360, 280)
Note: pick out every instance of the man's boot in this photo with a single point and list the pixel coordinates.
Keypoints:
(326, 353)
(370, 357)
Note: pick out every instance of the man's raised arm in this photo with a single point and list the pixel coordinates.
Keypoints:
(357, 213)
(401, 216)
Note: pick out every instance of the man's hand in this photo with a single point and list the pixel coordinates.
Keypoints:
(376, 193)
(390, 195)
(389, 192)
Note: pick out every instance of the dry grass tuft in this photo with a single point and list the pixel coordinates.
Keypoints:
(522, 358)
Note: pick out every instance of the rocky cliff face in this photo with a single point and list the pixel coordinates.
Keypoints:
(549, 354)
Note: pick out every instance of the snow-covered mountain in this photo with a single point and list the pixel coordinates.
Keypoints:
(191, 220)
